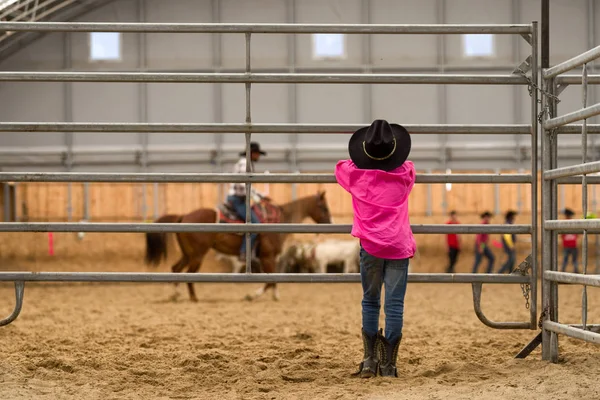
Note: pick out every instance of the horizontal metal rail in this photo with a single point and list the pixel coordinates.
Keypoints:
(243, 228)
(169, 127)
(568, 277)
(578, 115)
(190, 77)
(576, 80)
(573, 225)
(238, 178)
(573, 332)
(169, 277)
(575, 129)
(139, 27)
(574, 180)
(571, 63)
(573, 170)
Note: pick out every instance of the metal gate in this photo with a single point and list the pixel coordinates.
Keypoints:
(526, 74)
(552, 175)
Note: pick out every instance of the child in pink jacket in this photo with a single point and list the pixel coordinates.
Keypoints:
(380, 180)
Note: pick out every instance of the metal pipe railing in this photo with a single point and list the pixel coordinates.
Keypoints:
(574, 180)
(578, 115)
(573, 170)
(169, 277)
(593, 79)
(139, 27)
(245, 228)
(534, 173)
(326, 78)
(584, 191)
(238, 178)
(168, 127)
(570, 331)
(575, 129)
(571, 278)
(571, 63)
(572, 225)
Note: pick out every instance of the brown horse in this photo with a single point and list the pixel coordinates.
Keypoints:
(194, 246)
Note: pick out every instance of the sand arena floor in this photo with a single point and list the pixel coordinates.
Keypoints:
(129, 341)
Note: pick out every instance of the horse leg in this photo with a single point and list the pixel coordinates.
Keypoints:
(176, 268)
(268, 266)
(194, 267)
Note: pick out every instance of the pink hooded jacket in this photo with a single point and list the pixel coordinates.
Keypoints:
(380, 203)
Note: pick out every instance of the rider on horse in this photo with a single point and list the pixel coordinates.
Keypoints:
(237, 193)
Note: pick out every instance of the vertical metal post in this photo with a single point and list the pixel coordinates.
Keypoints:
(366, 61)
(143, 106)
(292, 95)
(545, 33)
(591, 28)
(554, 242)
(218, 91)
(534, 177)
(86, 201)
(68, 115)
(584, 195)
(517, 102)
(442, 95)
(248, 158)
(546, 235)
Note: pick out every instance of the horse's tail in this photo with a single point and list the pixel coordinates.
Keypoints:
(156, 242)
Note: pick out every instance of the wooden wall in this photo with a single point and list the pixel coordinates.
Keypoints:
(125, 202)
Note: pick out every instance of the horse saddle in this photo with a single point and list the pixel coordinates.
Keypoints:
(264, 210)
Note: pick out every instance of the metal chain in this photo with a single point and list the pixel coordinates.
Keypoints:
(543, 314)
(530, 87)
(523, 269)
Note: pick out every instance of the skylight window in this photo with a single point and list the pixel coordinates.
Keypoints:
(6, 3)
(105, 46)
(475, 45)
(329, 46)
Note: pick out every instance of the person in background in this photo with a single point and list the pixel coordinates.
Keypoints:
(453, 244)
(482, 248)
(237, 193)
(508, 244)
(569, 242)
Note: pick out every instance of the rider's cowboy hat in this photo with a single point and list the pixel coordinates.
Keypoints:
(254, 148)
(381, 146)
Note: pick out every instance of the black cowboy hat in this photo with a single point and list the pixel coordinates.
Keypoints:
(380, 146)
(486, 214)
(568, 212)
(254, 148)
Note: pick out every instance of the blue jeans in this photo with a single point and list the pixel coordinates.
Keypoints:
(239, 205)
(374, 272)
(510, 261)
(573, 253)
(478, 256)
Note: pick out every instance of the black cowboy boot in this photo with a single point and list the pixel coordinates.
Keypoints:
(388, 354)
(368, 366)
